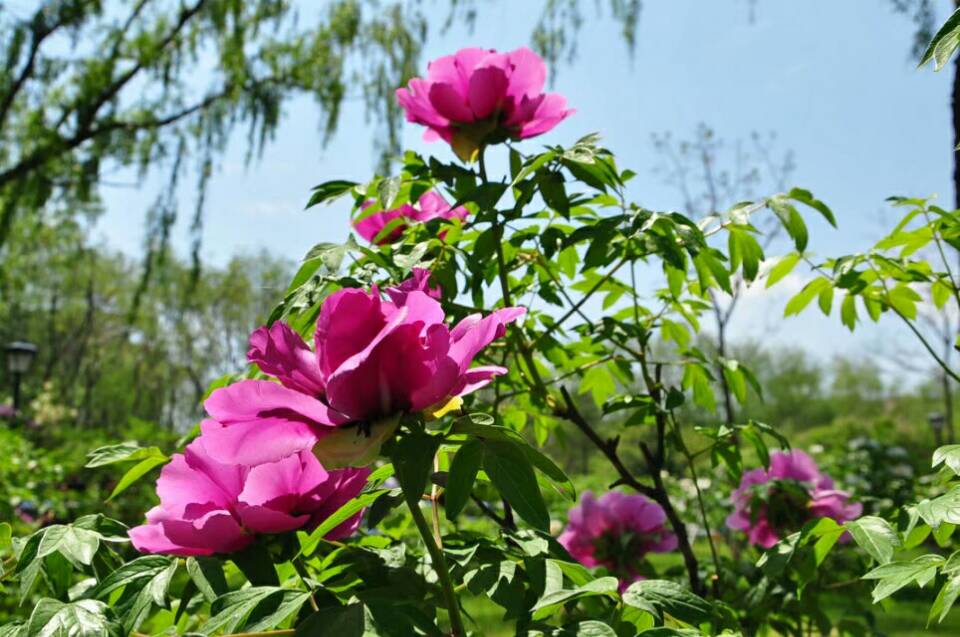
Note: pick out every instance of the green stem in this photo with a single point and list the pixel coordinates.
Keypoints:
(440, 566)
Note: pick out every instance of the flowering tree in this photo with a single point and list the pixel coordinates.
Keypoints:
(388, 480)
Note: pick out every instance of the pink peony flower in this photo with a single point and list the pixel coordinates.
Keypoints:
(375, 359)
(770, 504)
(431, 205)
(616, 532)
(209, 507)
(478, 96)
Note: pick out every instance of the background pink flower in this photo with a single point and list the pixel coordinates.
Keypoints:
(770, 504)
(479, 96)
(616, 532)
(374, 360)
(210, 507)
(431, 205)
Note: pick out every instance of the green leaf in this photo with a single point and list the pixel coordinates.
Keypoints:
(944, 43)
(792, 221)
(904, 300)
(944, 508)
(135, 473)
(825, 300)
(603, 586)
(949, 455)
(256, 564)
(142, 568)
(784, 266)
(589, 628)
(387, 191)
(945, 600)
(6, 536)
(745, 250)
(803, 297)
(123, 452)
(84, 618)
(598, 381)
(875, 536)
(308, 543)
(848, 311)
(413, 463)
(207, 574)
(460, 478)
(257, 608)
(671, 598)
(896, 575)
(328, 191)
(76, 544)
(346, 621)
(806, 197)
(511, 472)
(553, 191)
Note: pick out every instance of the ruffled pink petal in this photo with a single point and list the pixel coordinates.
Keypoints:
(450, 104)
(415, 100)
(349, 319)
(180, 485)
(528, 75)
(456, 69)
(274, 484)
(795, 465)
(475, 378)
(472, 334)
(262, 519)
(280, 352)
(342, 486)
(252, 399)
(551, 111)
(258, 441)
(488, 87)
(419, 281)
(217, 532)
(150, 538)
(371, 226)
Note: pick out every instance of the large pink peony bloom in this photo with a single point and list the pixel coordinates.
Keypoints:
(478, 96)
(375, 359)
(431, 205)
(616, 532)
(770, 504)
(209, 507)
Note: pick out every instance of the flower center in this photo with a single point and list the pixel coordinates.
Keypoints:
(786, 504)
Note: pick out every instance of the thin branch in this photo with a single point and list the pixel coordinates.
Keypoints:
(576, 308)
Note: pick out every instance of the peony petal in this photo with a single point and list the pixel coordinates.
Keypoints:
(280, 352)
(261, 519)
(150, 538)
(218, 532)
(450, 104)
(476, 378)
(258, 441)
(181, 485)
(472, 334)
(528, 75)
(488, 87)
(252, 399)
(371, 226)
(349, 319)
(274, 484)
(551, 111)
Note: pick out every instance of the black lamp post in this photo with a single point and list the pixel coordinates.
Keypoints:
(20, 355)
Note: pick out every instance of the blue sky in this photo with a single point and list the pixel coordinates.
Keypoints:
(832, 79)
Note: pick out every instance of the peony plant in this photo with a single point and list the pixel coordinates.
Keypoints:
(394, 478)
